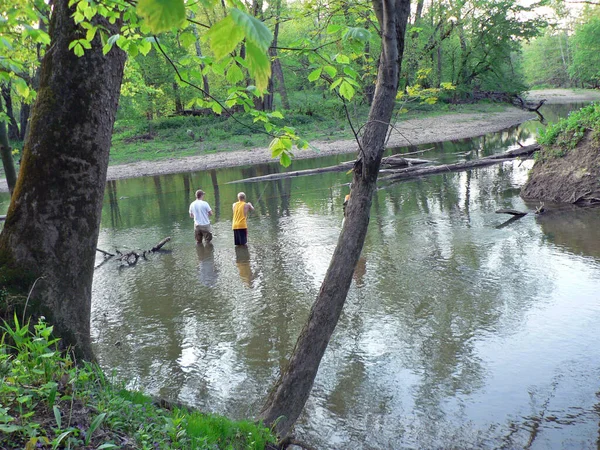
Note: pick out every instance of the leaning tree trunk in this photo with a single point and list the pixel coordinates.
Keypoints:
(287, 398)
(53, 220)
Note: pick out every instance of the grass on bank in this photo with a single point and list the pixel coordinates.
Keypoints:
(180, 136)
(47, 401)
(560, 137)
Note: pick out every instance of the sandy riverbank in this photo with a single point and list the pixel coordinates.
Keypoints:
(407, 132)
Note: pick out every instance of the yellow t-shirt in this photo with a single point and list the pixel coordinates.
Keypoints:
(239, 218)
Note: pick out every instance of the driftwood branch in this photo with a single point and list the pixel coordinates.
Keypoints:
(131, 258)
(2, 218)
(528, 106)
(158, 246)
(412, 172)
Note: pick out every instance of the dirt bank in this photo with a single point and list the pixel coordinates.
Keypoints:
(407, 132)
(573, 178)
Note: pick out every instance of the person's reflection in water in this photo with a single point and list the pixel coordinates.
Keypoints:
(206, 267)
(242, 260)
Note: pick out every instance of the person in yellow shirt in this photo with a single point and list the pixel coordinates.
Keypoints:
(239, 225)
(346, 200)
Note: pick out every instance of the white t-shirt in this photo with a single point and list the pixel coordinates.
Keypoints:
(200, 210)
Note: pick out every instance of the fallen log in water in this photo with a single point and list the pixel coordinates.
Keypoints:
(131, 258)
(393, 161)
(412, 172)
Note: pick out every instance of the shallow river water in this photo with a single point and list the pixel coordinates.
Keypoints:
(459, 331)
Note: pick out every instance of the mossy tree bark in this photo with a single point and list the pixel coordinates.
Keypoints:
(287, 398)
(53, 220)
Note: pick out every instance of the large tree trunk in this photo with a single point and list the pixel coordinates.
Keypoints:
(287, 399)
(53, 220)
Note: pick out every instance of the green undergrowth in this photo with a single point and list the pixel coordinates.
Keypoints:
(180, 136)
(560, 137)
(47, 401)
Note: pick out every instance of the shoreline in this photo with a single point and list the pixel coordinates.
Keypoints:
(407, 132)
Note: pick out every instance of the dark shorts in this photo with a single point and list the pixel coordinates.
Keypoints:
(240, 237)
(203, 232)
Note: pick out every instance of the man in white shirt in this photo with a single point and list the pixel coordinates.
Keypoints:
(200, 211)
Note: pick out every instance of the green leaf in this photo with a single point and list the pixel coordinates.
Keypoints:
(276, 114)
(89, 35)
(234, 74)
(21, 87)
(144, 47)
(276, 147)
(240, 61)
(351, 72)
(330, 70)
(357, 34)
(60, 438)
(132, 49)
(332, 29)
(93, 427)
(285, 159)
(335, 84)
(315, 74)
(256, 32)
(187, 38)
(224, 36)
(114, 38)
(9, 428)
(218, 109)
(342, 59)
(162, 15)
(57, 416)
(259, 66)
(346, 90)
(78, 49)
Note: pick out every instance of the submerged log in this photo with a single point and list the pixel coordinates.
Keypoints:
(512, 212)
(412, 172)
